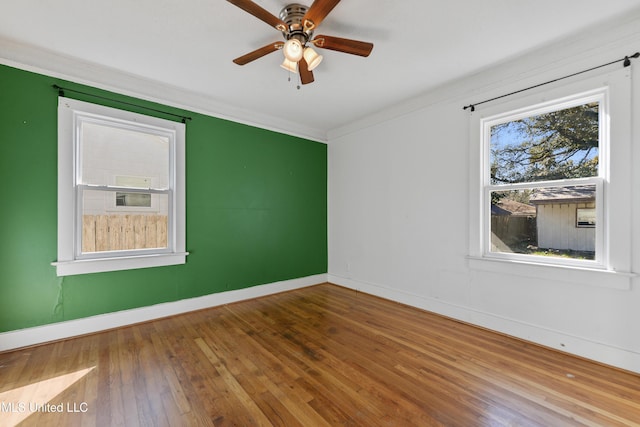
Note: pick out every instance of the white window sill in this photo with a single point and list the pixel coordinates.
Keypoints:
(572, 274)
(99, 265)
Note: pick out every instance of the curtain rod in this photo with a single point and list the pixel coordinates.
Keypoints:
(61, 90)
(626, 59)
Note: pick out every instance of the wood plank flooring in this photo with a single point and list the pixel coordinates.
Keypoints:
(319, 356)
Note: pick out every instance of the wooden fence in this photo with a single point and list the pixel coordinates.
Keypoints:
(123, 232)
(513, 231)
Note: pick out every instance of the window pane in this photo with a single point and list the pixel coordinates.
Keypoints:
(561, 144)
(586, 217)
(142, 200)
(123, 157)
(107, 226)
(544, 221)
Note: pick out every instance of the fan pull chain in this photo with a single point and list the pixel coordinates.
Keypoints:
(289, 80)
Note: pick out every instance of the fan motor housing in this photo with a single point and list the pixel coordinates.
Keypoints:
(292, 15)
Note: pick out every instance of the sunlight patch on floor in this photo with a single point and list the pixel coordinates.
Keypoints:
(18, 403)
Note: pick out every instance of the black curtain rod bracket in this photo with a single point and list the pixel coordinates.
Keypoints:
(61, 91)
(627, 59)
(626, 62)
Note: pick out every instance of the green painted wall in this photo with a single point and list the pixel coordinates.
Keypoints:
(256, 212)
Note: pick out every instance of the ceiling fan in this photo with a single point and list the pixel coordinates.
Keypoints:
(297, 23)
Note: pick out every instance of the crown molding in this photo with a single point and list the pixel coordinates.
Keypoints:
(608, 41)
(42, 61)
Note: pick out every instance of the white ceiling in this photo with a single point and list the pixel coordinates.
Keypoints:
(189, 46)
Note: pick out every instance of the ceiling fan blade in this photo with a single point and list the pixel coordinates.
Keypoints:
(260, 13)
(317, 12)
(306, 76)
(354, 47)
(258, 53)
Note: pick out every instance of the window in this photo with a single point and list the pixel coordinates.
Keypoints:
(134, 201)
(140, 200)
(121, 201)
(546, 158)
(585, 217)
(546, 169)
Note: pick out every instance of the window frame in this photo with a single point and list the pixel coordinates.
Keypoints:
(613, 269)
(71, 114)
(599, 95)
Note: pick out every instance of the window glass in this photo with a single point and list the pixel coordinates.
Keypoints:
(139, 200)
(586, 217)
(550, 146)
(542, 221)
(121, 156)
(542, 170)
(108, 151)
(105, 230)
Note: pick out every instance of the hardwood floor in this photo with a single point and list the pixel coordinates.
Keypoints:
(318, 356)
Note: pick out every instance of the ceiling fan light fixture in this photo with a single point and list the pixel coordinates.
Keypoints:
(291, 66)
(312, 58)
(297, 23)
(292, 50)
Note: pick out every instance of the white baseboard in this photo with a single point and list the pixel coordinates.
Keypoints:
(57, 331)
(579, 346)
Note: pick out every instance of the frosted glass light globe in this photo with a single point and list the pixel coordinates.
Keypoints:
(292, 50)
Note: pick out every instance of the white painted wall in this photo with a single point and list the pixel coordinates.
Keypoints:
(399, 197)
